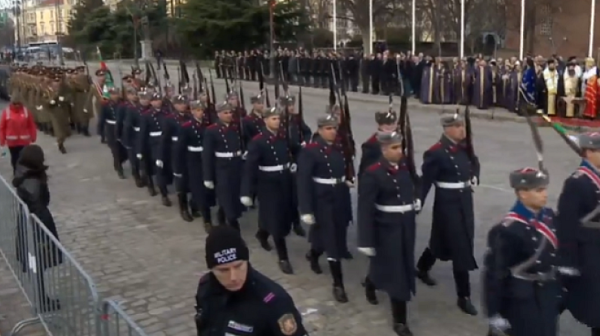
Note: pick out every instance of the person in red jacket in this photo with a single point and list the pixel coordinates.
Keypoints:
(17, 128)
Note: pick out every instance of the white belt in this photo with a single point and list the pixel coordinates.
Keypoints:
(14, 137)
(174, 138)
(195, 149)
(395, 208)
(137, 129)
(228, 154)
(453, 185)
(112, 122)
(330, 181)
(274, 168)
(155, 134)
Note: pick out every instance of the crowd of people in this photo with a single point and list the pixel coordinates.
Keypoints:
(217, 154)
(554, 86)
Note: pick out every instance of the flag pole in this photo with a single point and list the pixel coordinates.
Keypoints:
(370, 27)
(414, 26)
(522, 31)
(592, 27)
(462, 29)
(334, 25)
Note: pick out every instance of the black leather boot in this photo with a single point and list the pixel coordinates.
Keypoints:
(313, 258)
(121, 173)
(62, 149)
(370, 292)
(139, 182)
(399, 316)
(263, 239)
(150, 185)
(465, 304)
(183, 207)
(338, 290)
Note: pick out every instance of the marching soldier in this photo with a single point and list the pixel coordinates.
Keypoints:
(387, 208)
(238, 111)
(222, 162)
(371, 149)
(108, 126)
(55, 105)
(519, 281)
(323, 201)
(191, 142)
(253, 122)
(267, 175)
(151, 130)
(447, 165)
(83, 108)
(175, 155)
(131, 114)
(577, 224)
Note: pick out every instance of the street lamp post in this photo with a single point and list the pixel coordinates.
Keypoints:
(58, 17)
(272, 38)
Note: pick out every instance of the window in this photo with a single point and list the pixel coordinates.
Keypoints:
(546, 21)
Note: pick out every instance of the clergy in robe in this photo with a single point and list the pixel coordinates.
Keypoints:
(572, 83)
(551, 81)
(540, 89)
(505, 70)
(592, 90)
(528, 82)
(496, 84)
(427, 84)
(461, 81)
(513, 97)
(482, 86)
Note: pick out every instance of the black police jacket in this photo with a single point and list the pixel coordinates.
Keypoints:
(262, 307)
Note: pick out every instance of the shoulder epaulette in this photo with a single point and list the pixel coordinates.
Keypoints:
(577, 174)
(311, 145)
(258, 136)
(374, 166)
(170, 116)
(187, 124)
(372, 139)
(213, 126)
(506, 222)
(435, 146)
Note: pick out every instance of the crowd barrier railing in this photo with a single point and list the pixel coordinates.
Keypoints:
(115, 322)
(62, 295)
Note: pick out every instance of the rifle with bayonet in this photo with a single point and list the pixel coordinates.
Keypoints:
(261, 85)
(184, 82)
(345, 129)
(286, 122)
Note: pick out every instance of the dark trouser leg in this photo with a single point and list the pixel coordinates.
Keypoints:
(263, 238)
(221, 216)
(339, 293)
(150, 183)
(370, 291)
(463, 291)
(399, 315)
(14, 155)
(424, 265)
(595, 331)
(183, 207)
(233, 222)
(282, 255)
(313, 257)
(114, 148)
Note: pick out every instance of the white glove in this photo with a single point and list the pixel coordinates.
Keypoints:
(498, 323)
(303, 143)
(159, 164)
(52, 102)
(209, 184)
(474, 181)
(368, 251)
(293, 167)
(308, 219)
(570, 271)
(139, 156)
(245, 200)
(85, 111)
(39, 108)
(61, 98)
(245, 155)
(417, 204)
(350, 184)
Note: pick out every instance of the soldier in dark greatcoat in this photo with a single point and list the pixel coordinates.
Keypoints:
(107, 122)
(447, 165)
(323, 201)
(151, 130)
(371, 149)
(175, 155)
(267, 174)
(222, 163)
(580, 242)
(520, 289)
(131, 130)
(387, 206)
(253, 122)
(191, 140)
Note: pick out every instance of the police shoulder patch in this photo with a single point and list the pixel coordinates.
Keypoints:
(287, 324)
(436, 146)
(374, 167)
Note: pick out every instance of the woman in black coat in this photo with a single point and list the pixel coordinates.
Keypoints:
(33, 242)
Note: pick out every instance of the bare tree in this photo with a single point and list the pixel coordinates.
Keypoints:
(318, 11)
(539, 17)
(358, 13)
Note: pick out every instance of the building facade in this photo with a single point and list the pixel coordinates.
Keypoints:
(563, 30)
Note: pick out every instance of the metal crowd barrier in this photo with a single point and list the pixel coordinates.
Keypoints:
(62, 296)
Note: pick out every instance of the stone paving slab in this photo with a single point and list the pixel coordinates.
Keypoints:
(142, 254)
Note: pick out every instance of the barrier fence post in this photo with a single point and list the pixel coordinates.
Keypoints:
(115, 322)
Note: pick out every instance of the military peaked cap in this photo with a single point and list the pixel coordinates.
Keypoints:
(589, 140)
(197, 105)
(388, 138)
(223, 107)
(257, 99)
(271, 111)
(327, 120)
(180, 99)
(287, 101)
(452, 120)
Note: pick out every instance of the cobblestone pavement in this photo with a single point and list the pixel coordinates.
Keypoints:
(144, 255)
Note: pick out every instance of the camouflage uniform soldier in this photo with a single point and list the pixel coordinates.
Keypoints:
(83, 106)
(56, 106)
